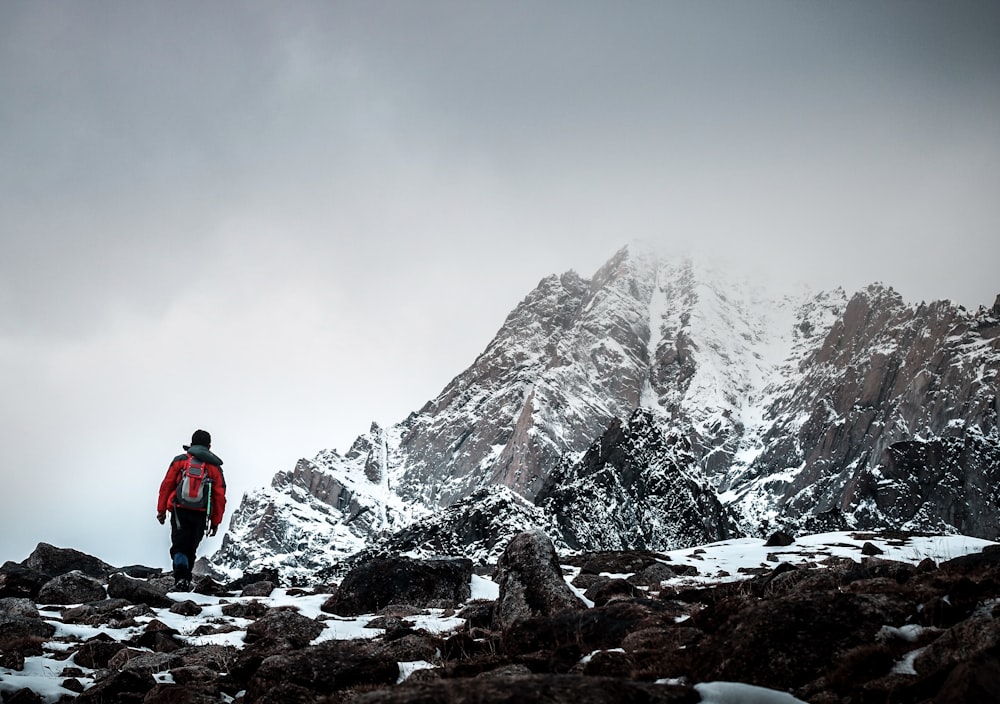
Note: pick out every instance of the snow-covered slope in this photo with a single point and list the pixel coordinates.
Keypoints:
(796, 408)
(318, 514)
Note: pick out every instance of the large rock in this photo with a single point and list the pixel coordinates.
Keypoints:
(319, 670)
(122, 686)
(71, 588)
(787, 641)
(14, 606)
(138, 591)
(533, 689)
(291, 626)
(375, 584)
(17, 580)
(19, 632)
(531, 581)
(962, 642)
(585, 630)
(54, 561)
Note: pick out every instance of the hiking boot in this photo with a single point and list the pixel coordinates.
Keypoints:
(182, 585)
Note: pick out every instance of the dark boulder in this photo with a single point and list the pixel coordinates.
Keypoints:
(378, 583)
(245, 609)
(71, 588)
(18, 633)
(97, 653)
(138, 591)
(532, 689)
(614, 562)
(183, 694)
(23, 696)
(121, 686)
(265, 575)
(962, 642)
(262, 588)
(784, 642)
(142, 571)
(607, 589)
(17, 580)
(599, 628)
(291, 626)
(54, 561)
(319, 670)
(18, 606)
(186, 608)
(779, 539)
(531, 581)
(653, 576)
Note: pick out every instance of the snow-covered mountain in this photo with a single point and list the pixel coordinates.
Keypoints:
(660, 404)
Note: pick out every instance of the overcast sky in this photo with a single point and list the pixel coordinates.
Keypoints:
(282, 221)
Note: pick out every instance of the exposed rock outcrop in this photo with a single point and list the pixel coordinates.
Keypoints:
(531, 581)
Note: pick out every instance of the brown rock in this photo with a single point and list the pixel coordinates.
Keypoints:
(531, 581)
(291, 626)
(532, 689)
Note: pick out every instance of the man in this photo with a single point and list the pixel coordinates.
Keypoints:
(194, 491)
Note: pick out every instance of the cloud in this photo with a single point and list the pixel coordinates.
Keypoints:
(281, 223)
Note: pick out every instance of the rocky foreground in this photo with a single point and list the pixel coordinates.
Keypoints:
(599, 627)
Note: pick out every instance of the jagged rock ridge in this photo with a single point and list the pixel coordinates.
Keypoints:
(757, 408)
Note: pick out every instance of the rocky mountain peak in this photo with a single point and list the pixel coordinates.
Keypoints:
(697, 404)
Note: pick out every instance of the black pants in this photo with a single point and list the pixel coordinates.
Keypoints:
(187, 528)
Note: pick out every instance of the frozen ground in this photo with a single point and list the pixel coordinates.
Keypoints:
(718, 562)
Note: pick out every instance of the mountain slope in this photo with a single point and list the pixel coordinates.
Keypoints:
(758, 408)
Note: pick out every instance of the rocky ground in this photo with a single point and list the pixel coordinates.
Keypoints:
(867, 619)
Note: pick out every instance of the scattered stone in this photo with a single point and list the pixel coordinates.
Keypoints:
(291, 626)
(608, 589)
(123, 686)
(779, 539)
(531, 581)
(827, 634)
(266, 575)
(186, 608)
(263, 588)
(18, 606)
(71, 588)
(315, 671)
(653, 576)
(20, 581)
(24, 634)
(527, 688)
(142, 572)
(138, 591)
(54, 561)
(378, 583)
(245, 609)
(97, 654)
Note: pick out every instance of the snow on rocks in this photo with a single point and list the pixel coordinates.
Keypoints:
(737, 621)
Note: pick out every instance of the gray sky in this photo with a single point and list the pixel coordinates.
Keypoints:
(281, 221)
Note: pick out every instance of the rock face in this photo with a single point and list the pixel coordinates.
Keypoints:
(635, 488)
(695, 404)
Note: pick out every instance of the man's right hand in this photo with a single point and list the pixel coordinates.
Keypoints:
(161, 517)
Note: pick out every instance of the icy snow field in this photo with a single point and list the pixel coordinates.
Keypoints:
(716, 563)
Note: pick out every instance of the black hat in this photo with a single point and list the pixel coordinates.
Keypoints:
(201, 437)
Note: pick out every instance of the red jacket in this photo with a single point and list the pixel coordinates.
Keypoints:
(168, 487)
